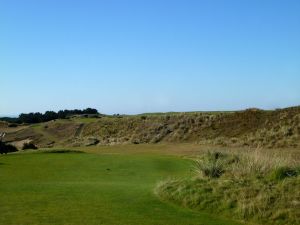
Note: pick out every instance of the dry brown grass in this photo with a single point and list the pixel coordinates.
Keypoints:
(252, 128)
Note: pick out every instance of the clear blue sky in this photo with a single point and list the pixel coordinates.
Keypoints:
(138, 56)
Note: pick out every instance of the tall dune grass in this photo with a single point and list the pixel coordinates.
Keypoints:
(258, 186)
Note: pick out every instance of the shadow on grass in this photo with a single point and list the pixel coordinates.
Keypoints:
(62, 151)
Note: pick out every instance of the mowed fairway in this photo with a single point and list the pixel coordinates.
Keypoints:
(88, 188)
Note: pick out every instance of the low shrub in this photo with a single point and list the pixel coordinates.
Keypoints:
(283, 172)
(29, 146)
(12, 125)
(7, 148)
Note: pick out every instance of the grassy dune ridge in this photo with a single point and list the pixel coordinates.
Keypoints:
(253, 127)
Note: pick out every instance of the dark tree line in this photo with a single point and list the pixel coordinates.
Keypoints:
(48, 115)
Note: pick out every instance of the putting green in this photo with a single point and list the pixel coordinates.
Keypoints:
(85, 188)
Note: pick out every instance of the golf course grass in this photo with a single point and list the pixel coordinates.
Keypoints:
(92, 188)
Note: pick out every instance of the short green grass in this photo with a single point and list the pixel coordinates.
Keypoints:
(91, 188)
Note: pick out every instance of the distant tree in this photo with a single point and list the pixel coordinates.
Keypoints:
(90, 111)
(61, 114)
(50, 115)
(76, 111)
(10, 119)
(31, 117)
(26, 118)
(37, 117)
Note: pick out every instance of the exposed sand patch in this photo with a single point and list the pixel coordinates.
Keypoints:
(19, 144)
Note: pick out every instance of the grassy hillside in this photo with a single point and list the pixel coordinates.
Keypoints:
(110, 187)
(272, 129)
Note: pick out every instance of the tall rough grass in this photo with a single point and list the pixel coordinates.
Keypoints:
(260, 162)
(252, 186)
(210, 166)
